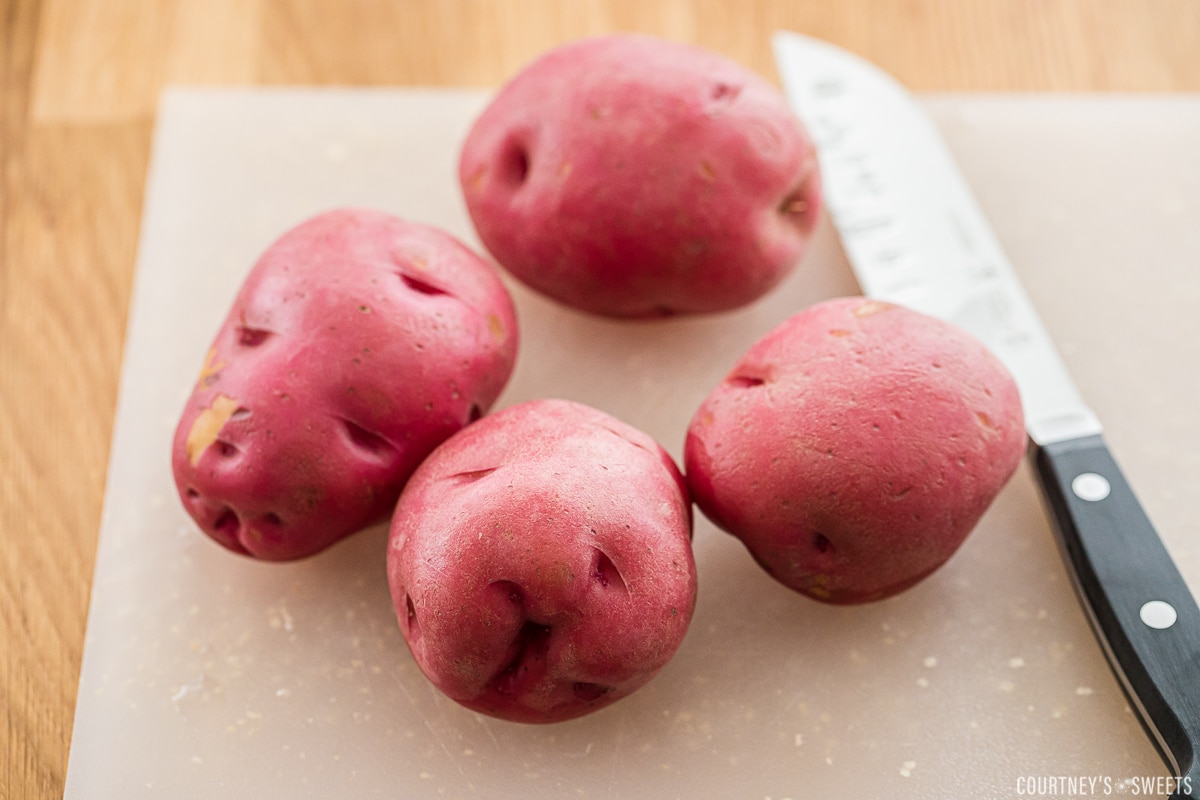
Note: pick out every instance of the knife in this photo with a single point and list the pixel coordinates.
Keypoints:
(915, 235)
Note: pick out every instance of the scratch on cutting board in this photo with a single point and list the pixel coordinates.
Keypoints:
(442, 743)
(433, 731)
(400, 682)
(487, 727)
(617, 742)
(412, 701)
(455, 758)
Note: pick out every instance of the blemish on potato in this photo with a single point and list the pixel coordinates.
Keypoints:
(725, 92)
(793, 206)
(207, 425)
(475, 179)
(985, 420)
(707, 172)
(208, 372)
(839, 332)
(871, 307)
(307, 498)
(496, 327)
(564, 170)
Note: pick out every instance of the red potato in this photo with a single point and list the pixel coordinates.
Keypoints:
(357, 344)
(854, 447)
(635, 177)
(540, 562)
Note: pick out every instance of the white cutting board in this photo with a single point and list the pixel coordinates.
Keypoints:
(207, 675)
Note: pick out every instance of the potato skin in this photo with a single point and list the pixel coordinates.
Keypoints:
(631, 176)
(854, 447)
(540, 562)
(357, 343)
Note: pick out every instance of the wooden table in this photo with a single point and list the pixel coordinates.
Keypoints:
(78, 88)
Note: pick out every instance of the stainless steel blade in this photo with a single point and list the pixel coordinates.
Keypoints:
(912, 230)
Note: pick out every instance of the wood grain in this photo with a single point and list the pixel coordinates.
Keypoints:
(79, 81)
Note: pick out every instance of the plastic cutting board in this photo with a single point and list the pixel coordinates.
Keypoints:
(207, 675)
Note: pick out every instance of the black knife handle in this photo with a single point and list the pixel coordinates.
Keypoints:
(1120, 566)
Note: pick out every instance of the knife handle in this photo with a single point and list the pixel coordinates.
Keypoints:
(1139, 605)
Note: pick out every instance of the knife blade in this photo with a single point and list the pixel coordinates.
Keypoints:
(915, 235)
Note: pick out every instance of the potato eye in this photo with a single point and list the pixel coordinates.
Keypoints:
(590, 692)
(514, 163)
(367, 443)
(421, 287)
(746, 381)
(605, 572)
(410, 618)
(252, 337)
